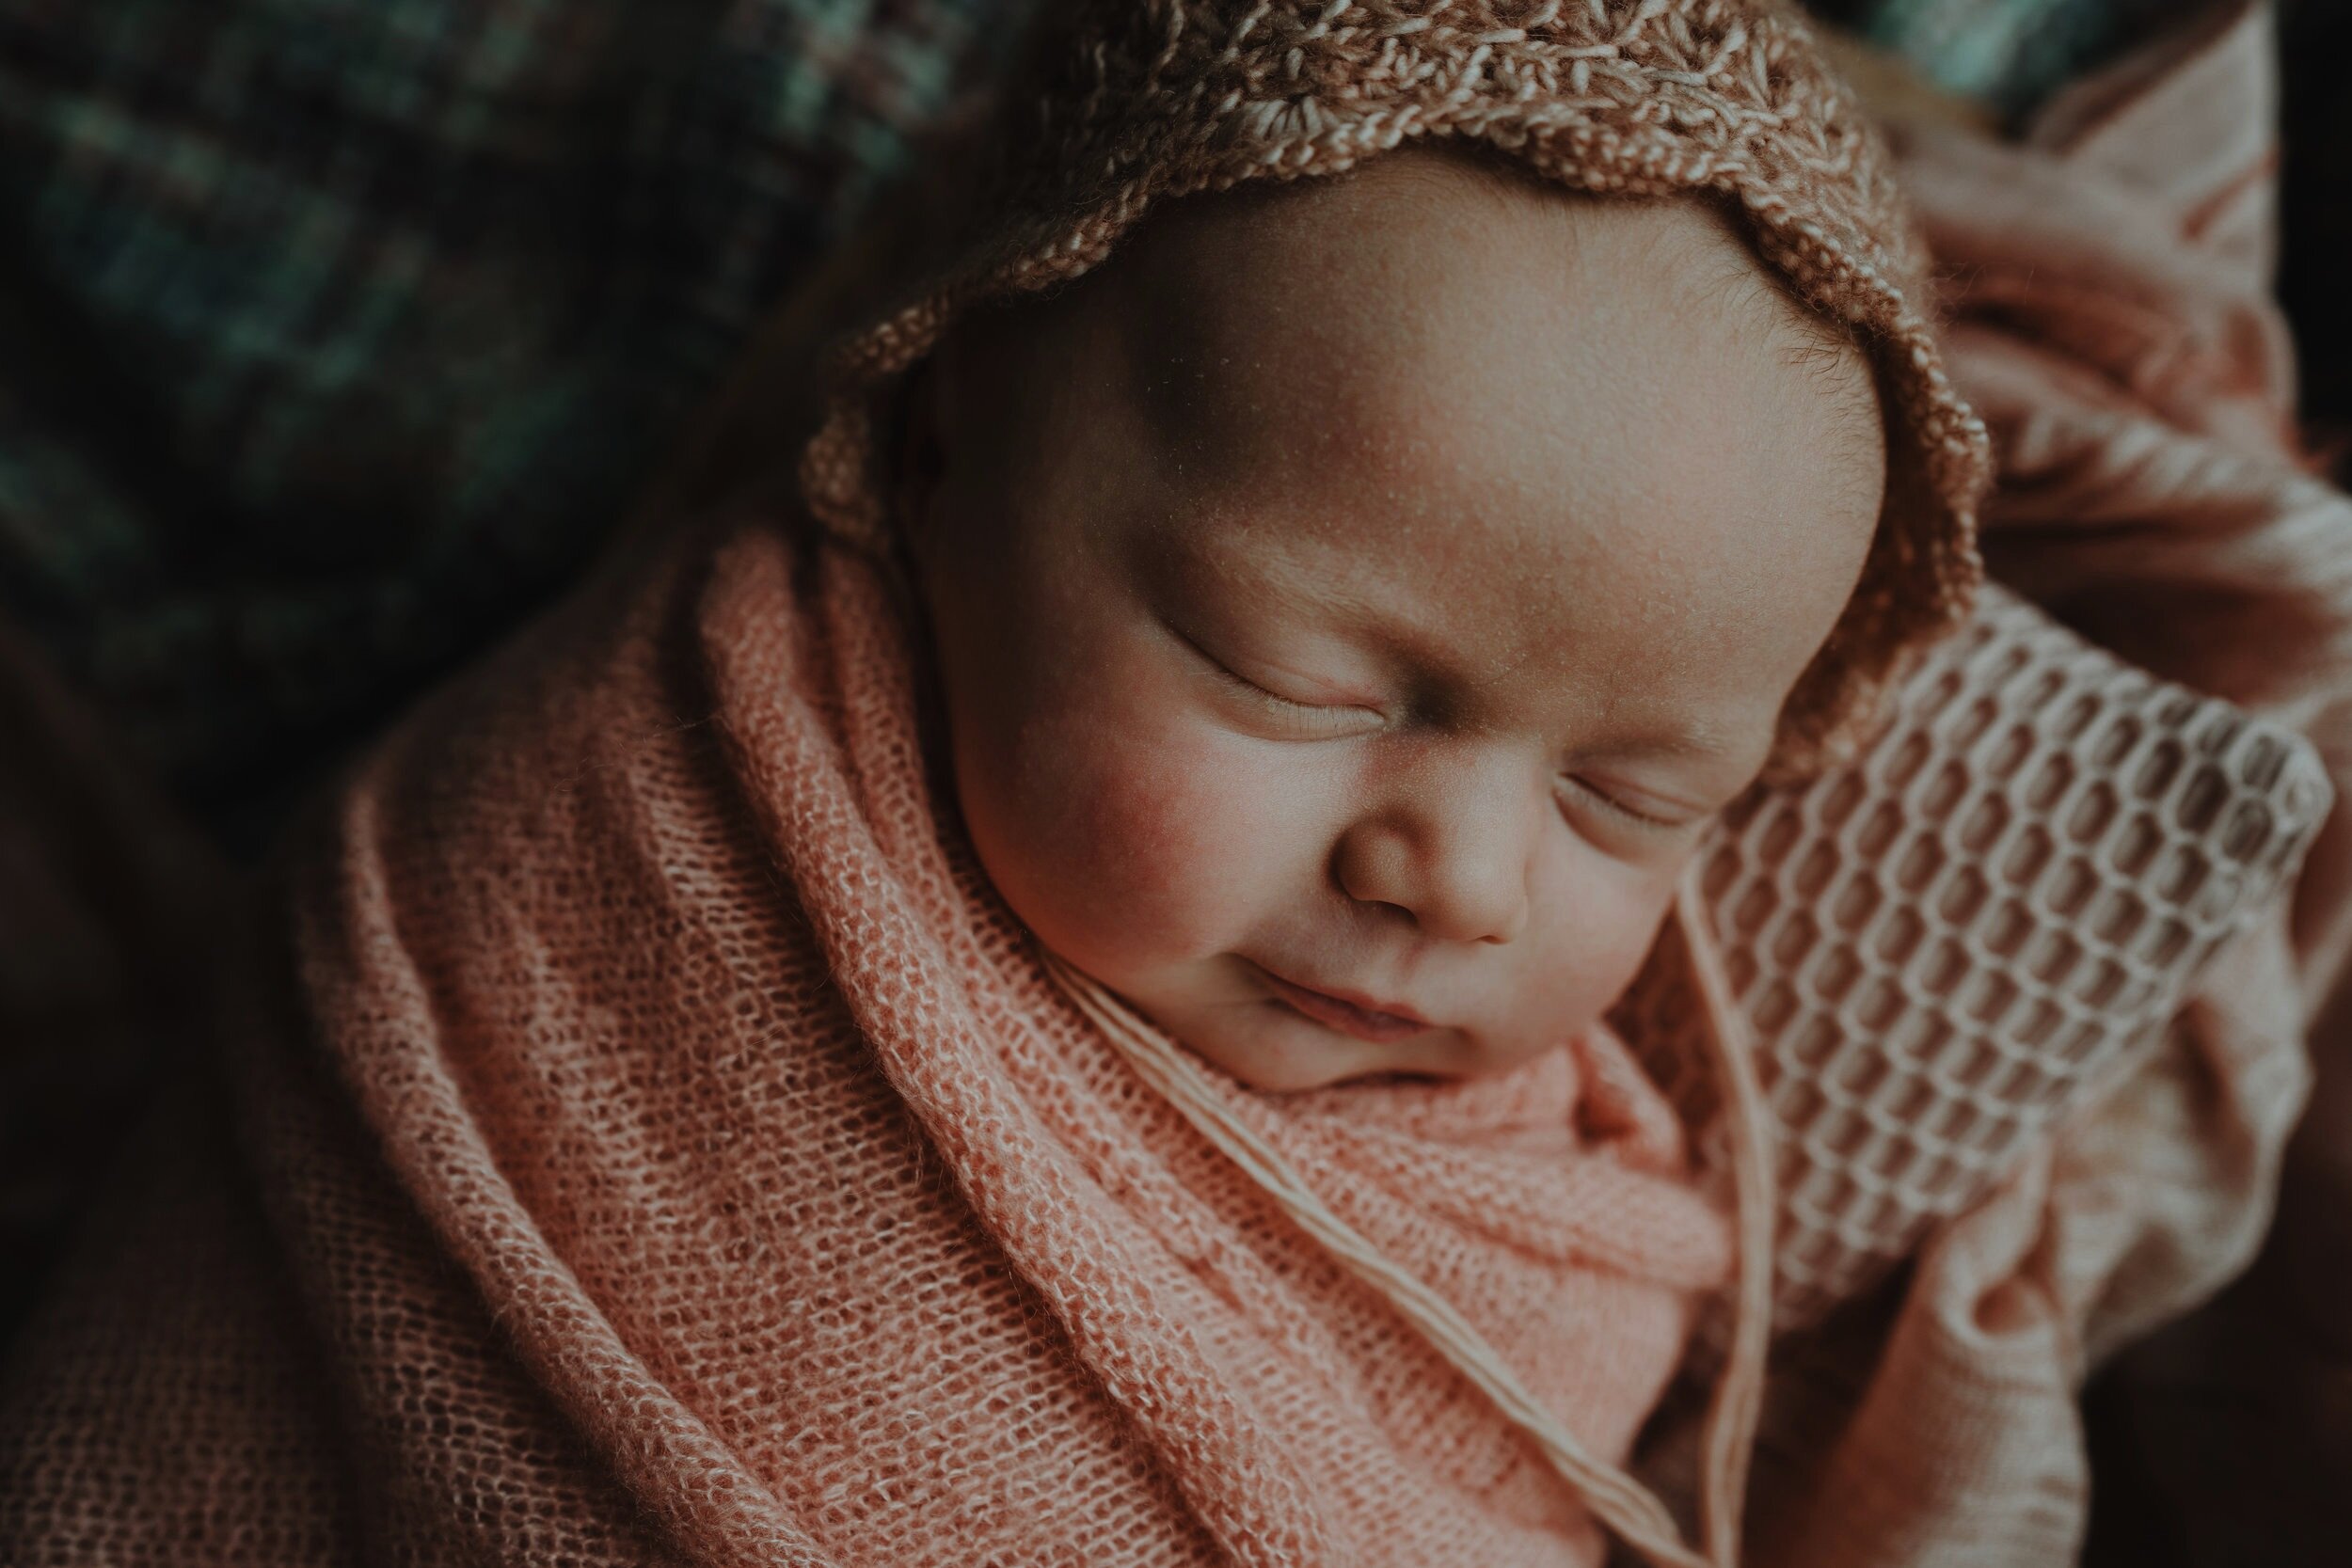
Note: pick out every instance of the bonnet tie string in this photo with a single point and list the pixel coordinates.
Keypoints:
(1618, 1501)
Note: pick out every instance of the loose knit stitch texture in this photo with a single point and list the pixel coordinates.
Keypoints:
(700, 1165)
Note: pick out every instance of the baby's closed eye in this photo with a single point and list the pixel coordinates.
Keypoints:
(1642, 807)
(1299, 706)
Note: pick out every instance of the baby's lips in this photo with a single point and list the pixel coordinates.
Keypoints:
(1382, 1025)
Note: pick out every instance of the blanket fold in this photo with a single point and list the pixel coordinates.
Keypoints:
(668, 1149)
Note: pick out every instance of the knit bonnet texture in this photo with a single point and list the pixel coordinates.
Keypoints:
(1129, 103)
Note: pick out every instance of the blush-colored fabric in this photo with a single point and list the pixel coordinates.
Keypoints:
(1971, 934)
(666, 1148)
(2108, 290)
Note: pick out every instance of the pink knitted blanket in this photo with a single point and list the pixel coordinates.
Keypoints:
(670, 1150)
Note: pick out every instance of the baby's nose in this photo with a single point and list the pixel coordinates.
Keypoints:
(1452, 846)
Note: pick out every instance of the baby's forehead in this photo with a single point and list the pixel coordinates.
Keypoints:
(1501, 410)
(1426, 312)
(1387, 259)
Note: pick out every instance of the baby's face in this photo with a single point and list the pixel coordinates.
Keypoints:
(1353, 601)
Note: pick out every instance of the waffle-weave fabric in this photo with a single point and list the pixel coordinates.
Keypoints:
(1973, 930)
(339, 336)
(672, 1151)
(2107, 284)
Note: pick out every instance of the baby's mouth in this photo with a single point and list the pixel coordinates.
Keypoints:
(1379, 1024)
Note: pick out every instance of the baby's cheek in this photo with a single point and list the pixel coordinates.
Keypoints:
(1605, 918)
(1139, 846)
(1153, 831)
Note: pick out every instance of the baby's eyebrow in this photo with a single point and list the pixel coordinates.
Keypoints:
(1400, 639)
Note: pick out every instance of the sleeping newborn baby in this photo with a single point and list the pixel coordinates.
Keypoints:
(1353, 601)
(696, 1101)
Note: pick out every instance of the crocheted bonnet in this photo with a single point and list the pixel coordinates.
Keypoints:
(1131, 103)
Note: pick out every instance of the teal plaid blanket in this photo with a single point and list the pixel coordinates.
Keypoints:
(336, 334)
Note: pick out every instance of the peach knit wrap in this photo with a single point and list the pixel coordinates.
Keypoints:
(673, 1152)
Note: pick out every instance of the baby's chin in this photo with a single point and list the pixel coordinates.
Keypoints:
(1266, 1045)
(1230, 1011)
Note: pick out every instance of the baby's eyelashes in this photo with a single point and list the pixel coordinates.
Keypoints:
(1628, 820)
(1627, 803)
(1298, 718)
(1315, 721)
